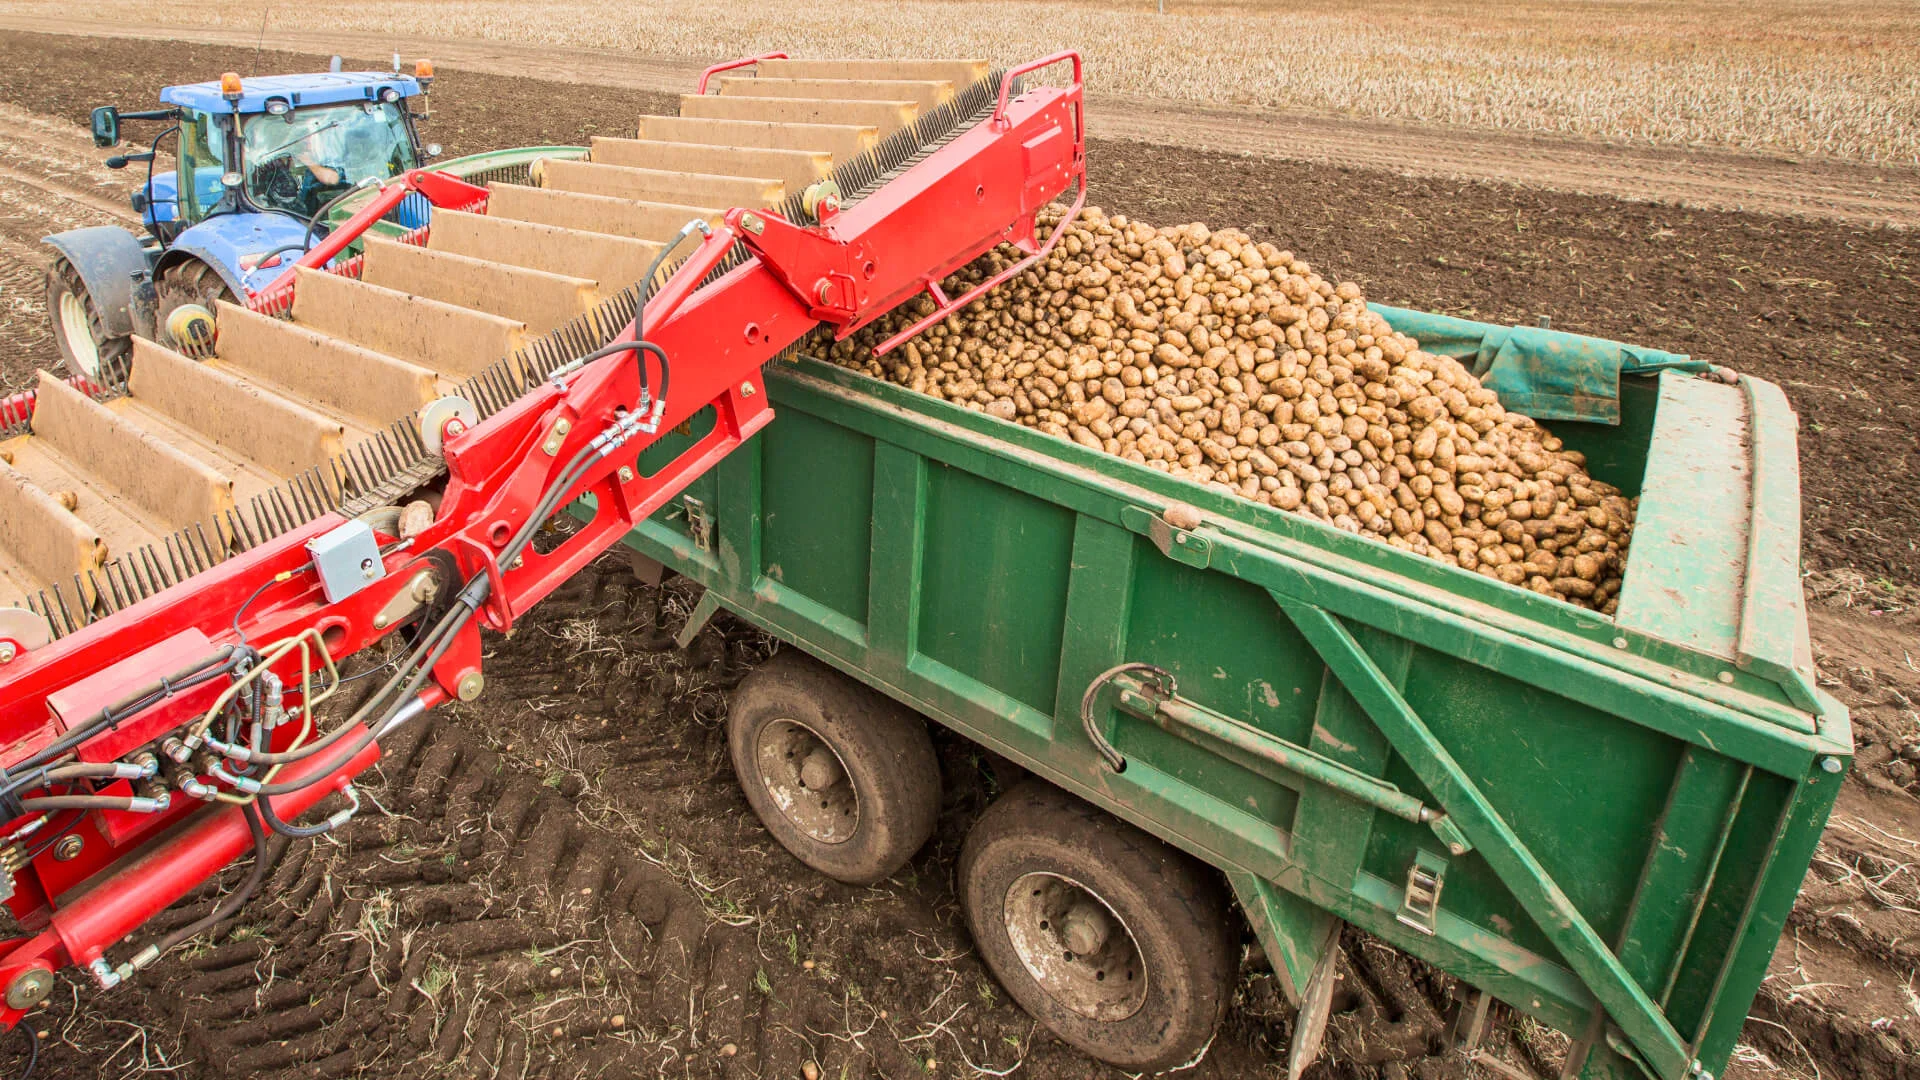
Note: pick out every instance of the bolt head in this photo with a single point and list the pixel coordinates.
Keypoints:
(746, 389)
(380, 621)
(1832, 764)
(8, 650)
(471, 685)
(29, 988)
(69, 848)
(626, 474)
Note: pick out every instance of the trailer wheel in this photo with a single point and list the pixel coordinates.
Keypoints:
(1119, 943)
(840, 774)
(79, 330)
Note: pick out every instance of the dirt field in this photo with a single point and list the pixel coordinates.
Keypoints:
(567, 882)
(1814, 186)
(1806, 78)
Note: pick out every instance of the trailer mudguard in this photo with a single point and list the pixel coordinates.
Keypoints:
(106, 258)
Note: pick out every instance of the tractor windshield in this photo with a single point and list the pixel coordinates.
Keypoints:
(298, 161)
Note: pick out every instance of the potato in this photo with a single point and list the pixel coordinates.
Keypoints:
(1232, 363)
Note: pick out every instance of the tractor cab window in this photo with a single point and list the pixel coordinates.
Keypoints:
(296, 162)
(203, 159)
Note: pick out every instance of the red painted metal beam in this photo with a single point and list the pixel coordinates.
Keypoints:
(980, 189)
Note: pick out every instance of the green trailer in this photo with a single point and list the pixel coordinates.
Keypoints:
(1600, 821)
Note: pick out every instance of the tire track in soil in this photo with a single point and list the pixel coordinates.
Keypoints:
(482, 930)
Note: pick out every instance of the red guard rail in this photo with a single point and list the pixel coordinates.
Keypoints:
(731, 65)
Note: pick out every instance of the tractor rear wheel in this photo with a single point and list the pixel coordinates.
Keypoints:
(189, 282)
(79, 330)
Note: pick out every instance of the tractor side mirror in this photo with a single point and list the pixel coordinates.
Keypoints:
(106, 126)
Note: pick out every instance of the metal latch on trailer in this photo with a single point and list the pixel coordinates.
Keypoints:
(1172, 531)
(1422, 902)
(699, 525)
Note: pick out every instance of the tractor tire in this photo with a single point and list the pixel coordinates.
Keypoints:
(844, 777)
(189, 282)
(79, 330)
(1120, 944)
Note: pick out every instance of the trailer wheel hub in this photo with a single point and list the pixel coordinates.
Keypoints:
(1075, 946)
(808, 781)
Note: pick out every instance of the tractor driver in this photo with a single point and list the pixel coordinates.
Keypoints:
(298, 177)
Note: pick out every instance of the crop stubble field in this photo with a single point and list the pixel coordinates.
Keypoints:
(570, 885)
(1791, 77)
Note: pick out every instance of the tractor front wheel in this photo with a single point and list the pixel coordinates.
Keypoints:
(189, 282)
(79, 330)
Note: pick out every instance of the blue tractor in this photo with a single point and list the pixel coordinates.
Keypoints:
(261, 162)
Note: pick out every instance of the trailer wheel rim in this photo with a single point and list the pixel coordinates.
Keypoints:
(808, 780)
(77, 328)
(1076, 947)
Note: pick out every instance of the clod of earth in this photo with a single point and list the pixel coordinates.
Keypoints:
(1234, 364)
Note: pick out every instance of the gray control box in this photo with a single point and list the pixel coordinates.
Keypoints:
(347, 559)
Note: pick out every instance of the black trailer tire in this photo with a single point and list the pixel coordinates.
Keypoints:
(79, 329)
(1119, 943)
(841, 775)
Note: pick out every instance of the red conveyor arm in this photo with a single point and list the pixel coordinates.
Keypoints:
(980, 189)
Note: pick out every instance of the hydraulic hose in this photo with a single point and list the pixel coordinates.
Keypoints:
(434, 644)
(213, 667)
(135, 803)
(305, 832)
(234, 900)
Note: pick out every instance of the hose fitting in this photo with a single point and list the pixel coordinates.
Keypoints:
(244, 785)
(104, 974)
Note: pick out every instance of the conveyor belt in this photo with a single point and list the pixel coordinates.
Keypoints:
(105, 501)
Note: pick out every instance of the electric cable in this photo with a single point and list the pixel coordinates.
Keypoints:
(221, 663)
(33, 1051)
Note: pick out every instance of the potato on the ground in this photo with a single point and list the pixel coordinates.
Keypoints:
(1232, 363)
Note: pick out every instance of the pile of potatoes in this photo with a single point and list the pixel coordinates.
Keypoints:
(1233, 364)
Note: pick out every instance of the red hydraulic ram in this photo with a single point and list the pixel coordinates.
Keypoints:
(578, 433)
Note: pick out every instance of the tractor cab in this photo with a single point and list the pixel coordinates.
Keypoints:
(281, 144)
(259, 164)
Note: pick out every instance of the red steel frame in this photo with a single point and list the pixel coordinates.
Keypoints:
(981, 189)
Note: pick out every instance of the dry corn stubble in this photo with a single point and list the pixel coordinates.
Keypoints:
(1233, 364)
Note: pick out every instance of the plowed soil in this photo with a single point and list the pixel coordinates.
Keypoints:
(562, 880)
(1771, 184)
